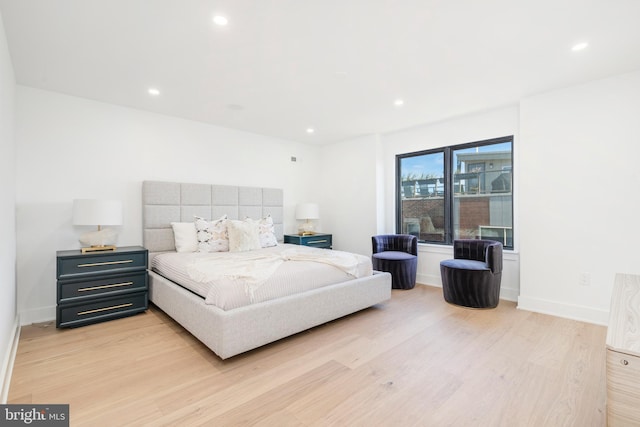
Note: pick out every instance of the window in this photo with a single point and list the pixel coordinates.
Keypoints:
(457, 192)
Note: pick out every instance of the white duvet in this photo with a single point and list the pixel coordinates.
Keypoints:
(233, 279)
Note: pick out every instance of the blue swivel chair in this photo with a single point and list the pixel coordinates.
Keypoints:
(472, 278)
(398, 255)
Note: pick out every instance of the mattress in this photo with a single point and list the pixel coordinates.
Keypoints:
(290, 277)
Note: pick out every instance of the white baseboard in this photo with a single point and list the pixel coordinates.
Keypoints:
(44, 314)
(8, 360)
(508, 294)
(429, 279)
(568, 311)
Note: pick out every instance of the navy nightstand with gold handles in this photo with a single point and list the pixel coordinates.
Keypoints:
(318, 240)
(100, 286)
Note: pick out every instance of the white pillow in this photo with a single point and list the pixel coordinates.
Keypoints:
(212, 235)
(267, 232)
(186, 239)
(243, 235)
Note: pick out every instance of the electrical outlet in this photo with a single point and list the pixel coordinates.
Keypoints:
(585, 279)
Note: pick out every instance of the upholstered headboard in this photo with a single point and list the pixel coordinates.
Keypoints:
(167, 202)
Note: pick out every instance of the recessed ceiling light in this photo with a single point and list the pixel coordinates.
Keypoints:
(310, 130)
(398, 102)
(153, 91)
(220, 20)
(580, 46)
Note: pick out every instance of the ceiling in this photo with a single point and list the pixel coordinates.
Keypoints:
(282, 66)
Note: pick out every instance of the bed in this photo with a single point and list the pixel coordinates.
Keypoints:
(233, 331)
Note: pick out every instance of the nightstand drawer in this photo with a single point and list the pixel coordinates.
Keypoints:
(103, 309)
(75, 290)
(315, 240)
(318, 242)
(78, 266)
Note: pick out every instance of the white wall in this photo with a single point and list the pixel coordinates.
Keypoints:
(7, 209)
(579, 154)
(575, 152)
(348, 196)
(476, 127)
(70, 148)
(575, 178)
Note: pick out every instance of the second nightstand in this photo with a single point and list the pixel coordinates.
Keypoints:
(318, 240)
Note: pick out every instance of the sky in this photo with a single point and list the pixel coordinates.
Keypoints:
(432, 165)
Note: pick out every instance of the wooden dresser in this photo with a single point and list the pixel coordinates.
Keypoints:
(623, 353)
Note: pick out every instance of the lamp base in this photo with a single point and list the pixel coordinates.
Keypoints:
(306, 229)
(101, 240)
(98, 248)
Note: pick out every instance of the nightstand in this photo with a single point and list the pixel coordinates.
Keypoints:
(318, 240)
(100, 286)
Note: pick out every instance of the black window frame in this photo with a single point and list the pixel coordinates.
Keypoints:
(448, 184)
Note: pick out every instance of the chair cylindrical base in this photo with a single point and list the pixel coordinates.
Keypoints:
(477, 288)
(402, 268)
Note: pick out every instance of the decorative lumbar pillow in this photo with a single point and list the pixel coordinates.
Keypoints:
(267, 232)
(212, 235)
(243, 235)
(186, 239)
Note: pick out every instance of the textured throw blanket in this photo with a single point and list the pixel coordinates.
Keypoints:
(252, 269)
(345, 261)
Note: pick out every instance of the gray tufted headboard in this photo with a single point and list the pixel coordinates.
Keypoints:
(167, 202)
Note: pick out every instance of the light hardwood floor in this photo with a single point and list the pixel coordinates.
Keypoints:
(414, 361)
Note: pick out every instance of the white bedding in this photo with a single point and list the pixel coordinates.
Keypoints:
(292, 273)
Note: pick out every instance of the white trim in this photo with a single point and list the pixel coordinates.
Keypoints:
(507, 294)
(435, 249)
(429, 280)
(448, 249)
(8, 361)
(38, 315)
(568, 311)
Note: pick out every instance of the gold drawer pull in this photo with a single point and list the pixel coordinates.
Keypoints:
(97, 310)
(317, 241)
(114, 285)
(96, 264)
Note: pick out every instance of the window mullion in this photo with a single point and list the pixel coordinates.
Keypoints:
(448, 196)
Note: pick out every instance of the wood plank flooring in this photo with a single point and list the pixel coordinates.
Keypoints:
(414, 361)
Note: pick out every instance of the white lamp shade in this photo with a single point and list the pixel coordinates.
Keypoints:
(307, 211)
(97, 212)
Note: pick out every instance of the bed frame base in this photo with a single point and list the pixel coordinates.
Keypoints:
(232, 332)
(235, 331)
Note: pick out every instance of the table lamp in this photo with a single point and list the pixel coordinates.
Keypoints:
(97, 213)
(307, 212)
